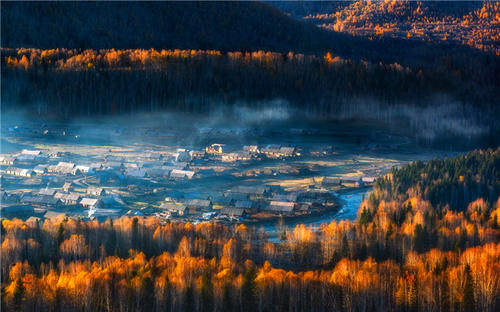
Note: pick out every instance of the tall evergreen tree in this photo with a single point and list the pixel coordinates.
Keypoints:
(249, 290)
(468, 301)
(18, 296)
(207, 294)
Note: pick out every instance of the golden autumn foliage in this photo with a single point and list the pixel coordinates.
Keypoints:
(401, 253)
(478, 28)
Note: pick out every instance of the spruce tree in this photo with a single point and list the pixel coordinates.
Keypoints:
(249, 290)
(18, 296)
(468, 301)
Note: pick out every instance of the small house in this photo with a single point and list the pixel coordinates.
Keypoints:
(54, 215)
(369, 180)
(281, 207)
(329, 181)
(291, 197)
(69, 199)
(246, 205)
(31, 152)
(233, 212)
(7, 160)
(176, 209)
(90, 203)
(67, 187)
(84, 169)
(41, 200)
(47, 192)
(20, 172)
(136, 173)
(96, 191)
(181, 174)
(40, 169)
(198, 204)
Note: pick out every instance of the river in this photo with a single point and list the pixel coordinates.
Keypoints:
(350, 201)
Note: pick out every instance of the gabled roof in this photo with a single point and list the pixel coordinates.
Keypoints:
(244, 204)
(281, 206)
(66, 164)
(40, 199)
(138, 173)
(197, 202)
(250, 189)
(176, 173)
(47, 191)
(233, 211)
(291, 197)
(89, 201)
(31, 152)
(173, 207)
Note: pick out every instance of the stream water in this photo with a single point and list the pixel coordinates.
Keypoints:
(350, 201)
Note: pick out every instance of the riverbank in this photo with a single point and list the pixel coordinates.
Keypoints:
(349, 201)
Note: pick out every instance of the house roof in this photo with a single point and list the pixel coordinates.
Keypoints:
(330, 180)
(233, 211)
(198, 202)
(54, 214)
(40, 199)
(89, 201)
(281, 206)
(66, 164)
(31, 152)
(140, 173)
(173, 207)
(244, 204)
(291, 197)
(94, 189)
(67, 197)
(250, 189)
(47, 191)
(181, 173)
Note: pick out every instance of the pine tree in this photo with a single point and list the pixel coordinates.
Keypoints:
(365, 217)
(60, 234)
(249, 290)
(135, 233)
(206, 293)
(227, 301)
(147, 294)
(18, 296)
(344, 249)
(2, 298)
(468, 301)
(189, 299)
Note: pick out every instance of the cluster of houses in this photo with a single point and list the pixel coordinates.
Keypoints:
(249, 152)
(80, 182)
(88, 202)
(354, 180)
(244, 201)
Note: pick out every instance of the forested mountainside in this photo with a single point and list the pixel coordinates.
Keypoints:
(223, 26)
(472, 23)
(68, 83)
(457, 181)
(226, 26)
(403, 253)
(72, 59)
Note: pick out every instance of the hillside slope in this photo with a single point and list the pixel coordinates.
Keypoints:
(224, 26)
(186, 25)
(471, 23)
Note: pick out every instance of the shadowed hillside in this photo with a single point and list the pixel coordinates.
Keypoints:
(222, 26)
(227, 26)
